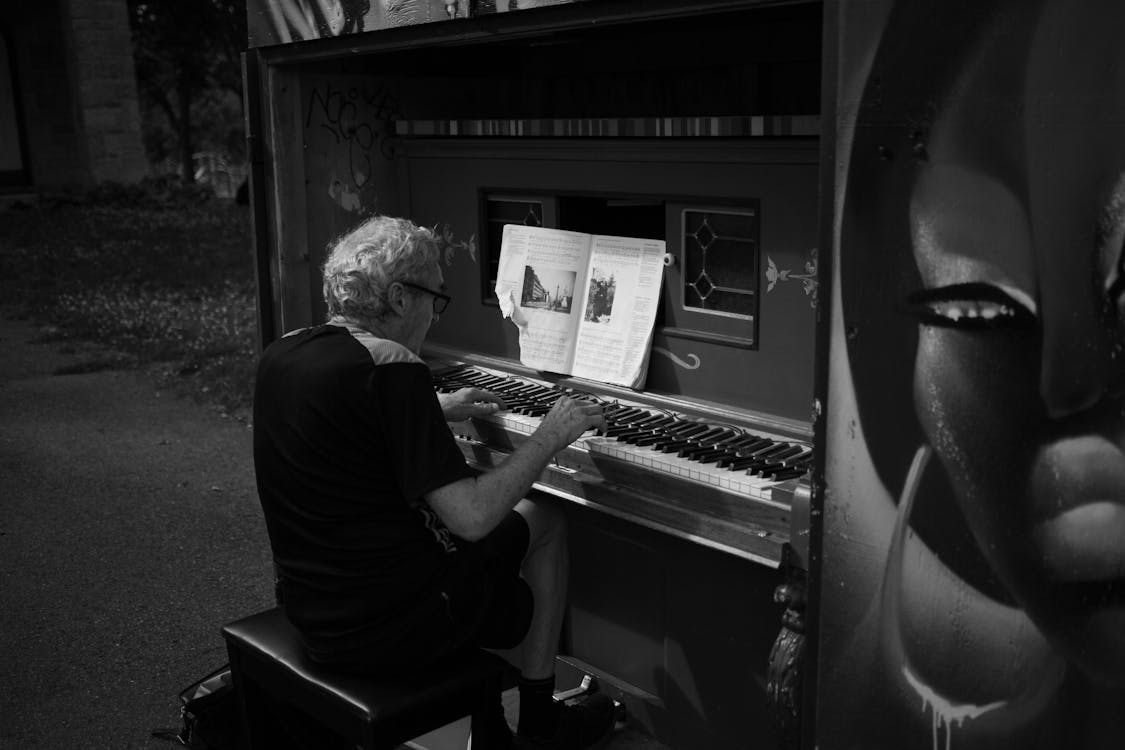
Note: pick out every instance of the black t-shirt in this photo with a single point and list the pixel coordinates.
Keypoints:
(348, 438)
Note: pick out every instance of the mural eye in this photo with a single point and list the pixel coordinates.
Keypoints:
(971, 305)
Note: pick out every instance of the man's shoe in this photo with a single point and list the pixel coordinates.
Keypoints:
(582, 723)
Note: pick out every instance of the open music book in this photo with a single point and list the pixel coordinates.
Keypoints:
(584, 304)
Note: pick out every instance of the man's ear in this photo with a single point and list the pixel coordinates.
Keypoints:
(396, 297)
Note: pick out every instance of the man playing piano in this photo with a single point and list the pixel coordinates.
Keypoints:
(391, 551)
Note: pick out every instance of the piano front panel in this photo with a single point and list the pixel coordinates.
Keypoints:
(447, 179)
(678, 632)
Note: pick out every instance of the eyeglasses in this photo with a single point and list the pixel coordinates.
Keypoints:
(441, 301)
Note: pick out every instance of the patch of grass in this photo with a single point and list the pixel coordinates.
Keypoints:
(159, 274)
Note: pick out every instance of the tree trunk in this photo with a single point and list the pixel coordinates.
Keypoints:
(187, 169)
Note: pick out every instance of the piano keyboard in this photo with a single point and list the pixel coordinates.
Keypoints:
(730, 458)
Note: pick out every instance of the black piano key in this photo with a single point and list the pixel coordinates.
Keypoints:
(617, 423)
(725, 446)
(763, 468)
(675, 446)
(749, 450)
(789, 452)
(770, 450)
(661, 435)
(789, 474)
(630, 435)
(693, 450)
(659, 424)
(483, 380)
(684, 430)
(696, 442)
(758, 443)
(802, 456)
(516, 390)
(741, 441)
(785, 459)
(631, 416)
(758, 458)
(618, 413)
(671, 443)
(712, 457)
(631, 412)
(638, 422)
(651, 420)
(710, 435)
(724, 437)
(712, 452)
(739, 463)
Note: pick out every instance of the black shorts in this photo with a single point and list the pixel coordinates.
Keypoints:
(481, 600)
(490, 605)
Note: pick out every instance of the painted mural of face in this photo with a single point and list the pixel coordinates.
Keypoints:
(1018, 229)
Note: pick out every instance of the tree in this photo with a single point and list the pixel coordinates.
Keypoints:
(187, 57)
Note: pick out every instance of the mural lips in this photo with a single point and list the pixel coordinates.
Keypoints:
(1077, 501)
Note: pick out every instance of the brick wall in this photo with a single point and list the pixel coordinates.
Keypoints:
(107, 100)
(74, 73)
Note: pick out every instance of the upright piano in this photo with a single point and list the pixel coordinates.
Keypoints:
(693, 123)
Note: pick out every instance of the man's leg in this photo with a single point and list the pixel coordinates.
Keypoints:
(542, 723)
(546, 570)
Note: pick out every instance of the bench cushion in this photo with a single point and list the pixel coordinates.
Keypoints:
(266, 649)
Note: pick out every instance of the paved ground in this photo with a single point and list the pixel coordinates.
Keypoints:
(129, 532)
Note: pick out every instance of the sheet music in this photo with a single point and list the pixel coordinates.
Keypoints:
(584, 304)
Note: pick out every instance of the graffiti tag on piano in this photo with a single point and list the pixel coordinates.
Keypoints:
(684, 363)
(356, 118)
(809, 281)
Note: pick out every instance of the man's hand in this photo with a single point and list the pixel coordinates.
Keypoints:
(567, 420)
(469, 402)
(472, 507)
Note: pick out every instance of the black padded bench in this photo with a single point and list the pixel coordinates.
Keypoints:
(270, 670)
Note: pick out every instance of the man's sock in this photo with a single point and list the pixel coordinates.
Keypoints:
(539, 716)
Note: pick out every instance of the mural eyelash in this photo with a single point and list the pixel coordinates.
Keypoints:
(970, 305)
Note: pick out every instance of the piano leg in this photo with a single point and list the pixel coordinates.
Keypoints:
(787, 660)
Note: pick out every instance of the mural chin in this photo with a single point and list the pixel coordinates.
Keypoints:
(1043, 497)
(1049, 519)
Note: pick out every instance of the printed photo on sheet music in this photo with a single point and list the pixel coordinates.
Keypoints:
(599, 305)
(548, 289)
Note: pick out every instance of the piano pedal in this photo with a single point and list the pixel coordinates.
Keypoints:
(588, 685)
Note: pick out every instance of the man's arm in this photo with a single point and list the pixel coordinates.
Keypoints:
(473, 507)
